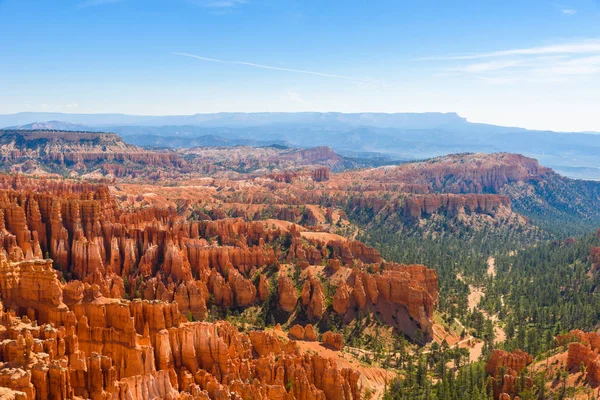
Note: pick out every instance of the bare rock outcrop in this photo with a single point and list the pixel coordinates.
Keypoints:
(583, 349)
(333, 340)
(341, 299)
(297, 332)
(288, 298)
(313, 298)
(510, 365)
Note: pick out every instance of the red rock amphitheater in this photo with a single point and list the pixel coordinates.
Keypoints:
(102, 301)
(171, 275)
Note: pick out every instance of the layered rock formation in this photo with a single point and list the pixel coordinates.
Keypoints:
(418, 206)
(288, 298)
(509, 366)
(106, 298)
(468, 173)
(321, 174)
(71, 257)
(251, 159)
(313, 298)
(214, 245)
(313, 155)
(584, 348)
(81, 151)
(334, 340)
(91, 346)
(155, 254)
(282, 177)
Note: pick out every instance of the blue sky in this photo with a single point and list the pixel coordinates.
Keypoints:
(533, 63)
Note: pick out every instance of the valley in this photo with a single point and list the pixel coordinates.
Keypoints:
(282, 273)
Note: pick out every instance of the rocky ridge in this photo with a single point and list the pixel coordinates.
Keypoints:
(79, 152)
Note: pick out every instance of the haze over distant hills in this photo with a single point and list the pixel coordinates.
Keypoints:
(398, 120)
(398, 136)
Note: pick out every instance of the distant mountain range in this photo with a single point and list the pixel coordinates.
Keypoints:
(55, 126)
(401, 136)
(382, 120)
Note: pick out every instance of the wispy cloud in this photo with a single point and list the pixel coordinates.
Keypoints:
(94, 3)
(550, 63)
(582, 47)
(294, 70)
(568, 11)
(488, 66)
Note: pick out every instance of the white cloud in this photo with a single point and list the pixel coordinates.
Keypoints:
(489, 66)
(582, 47)
(577, 66)
(568, 11)
(550, 63)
